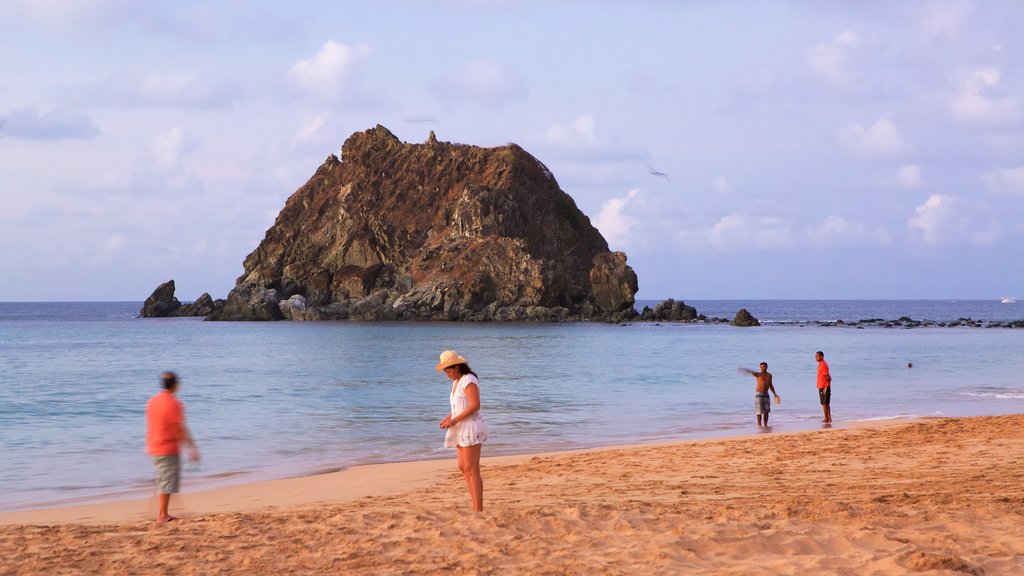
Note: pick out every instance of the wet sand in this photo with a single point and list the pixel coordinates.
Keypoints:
(943, 496)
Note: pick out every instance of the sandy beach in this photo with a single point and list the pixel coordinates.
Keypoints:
(943, 496)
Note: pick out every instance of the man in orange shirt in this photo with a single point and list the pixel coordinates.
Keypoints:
(165, 430)
(824, 386)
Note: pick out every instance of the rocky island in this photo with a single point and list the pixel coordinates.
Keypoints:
(431, 231)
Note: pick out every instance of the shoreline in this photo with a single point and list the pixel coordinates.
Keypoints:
(345, 484)
(934, 496)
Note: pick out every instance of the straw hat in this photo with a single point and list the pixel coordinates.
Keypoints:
(450, 358)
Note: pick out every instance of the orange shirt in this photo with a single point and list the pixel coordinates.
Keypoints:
(164, 418)
(822, 372)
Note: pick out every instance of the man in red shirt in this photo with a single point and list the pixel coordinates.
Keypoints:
(824, 386)
(165, 430)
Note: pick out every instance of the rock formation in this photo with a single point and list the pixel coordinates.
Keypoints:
(163, 304)
(669, 311)
(744, 318)
(432, 231)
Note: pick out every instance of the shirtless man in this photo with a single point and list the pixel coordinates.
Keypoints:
(762, 403)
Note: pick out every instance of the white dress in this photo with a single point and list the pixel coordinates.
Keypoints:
(472, 430)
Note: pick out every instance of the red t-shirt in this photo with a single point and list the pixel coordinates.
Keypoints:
(822, 372)
(164, 418)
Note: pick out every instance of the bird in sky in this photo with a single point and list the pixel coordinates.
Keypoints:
(657, 173)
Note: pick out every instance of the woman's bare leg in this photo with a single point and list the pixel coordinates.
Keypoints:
(469, 465)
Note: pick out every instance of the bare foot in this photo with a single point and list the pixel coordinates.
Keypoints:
(166, 520)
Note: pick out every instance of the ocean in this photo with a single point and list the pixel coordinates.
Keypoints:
(270, 400)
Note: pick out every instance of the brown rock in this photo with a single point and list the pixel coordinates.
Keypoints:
(431, 231)
(744, 318)
(161, 303)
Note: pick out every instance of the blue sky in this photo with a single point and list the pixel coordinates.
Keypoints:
(811, 149)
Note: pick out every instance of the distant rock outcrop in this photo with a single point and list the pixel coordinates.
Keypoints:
(744, 318)
(163, 304)
(669, 311)
(432, 231)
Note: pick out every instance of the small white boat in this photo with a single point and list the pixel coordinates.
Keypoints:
(1009, 300)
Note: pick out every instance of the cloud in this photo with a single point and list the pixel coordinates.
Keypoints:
(880, 140)
(972, 99)
(114, 243)
(945, 20)
(721, 185)
(1008, 181)
(581, 131)
(330, 73)
(829, 59)
(170, 147)
(61, 15)
(162, 171)
(837, 231)
(29, 124)
(948, 221)
(310, 127)
(612, 223)
(739, 233)
(909, 177)
(170, 88)
(581, 141)
(484, 81)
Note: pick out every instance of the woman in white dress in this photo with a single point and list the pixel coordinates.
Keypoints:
(465, 428)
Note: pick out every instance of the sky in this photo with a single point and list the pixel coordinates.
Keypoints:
(732, 149)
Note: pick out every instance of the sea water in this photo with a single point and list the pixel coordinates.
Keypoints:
(267, 400)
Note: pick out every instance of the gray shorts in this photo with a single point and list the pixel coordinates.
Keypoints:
(762, 404)
(168, 473)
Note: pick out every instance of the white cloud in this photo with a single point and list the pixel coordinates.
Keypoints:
(581, 141)
(30, 124)
(721, 185)
(837, 231)
(948, 220)
(114, 243)
(829, 59)
(741, 232)
(310, 127)
(179, 88)
(581, 131)
(169, 148)
(329, 73)
(62, 15)
(880, 140)
(612, 223)
(909, 177)
(1005, 180)
(482, 80)
(945, 20)
(170, 88)
(972, 99)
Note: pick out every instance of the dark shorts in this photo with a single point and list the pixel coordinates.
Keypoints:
(825, 395)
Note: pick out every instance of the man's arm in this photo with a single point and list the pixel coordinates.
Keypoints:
(186, 438)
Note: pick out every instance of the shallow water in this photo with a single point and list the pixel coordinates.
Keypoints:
(276, 399)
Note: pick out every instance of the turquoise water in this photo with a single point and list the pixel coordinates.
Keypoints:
(278, 399)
